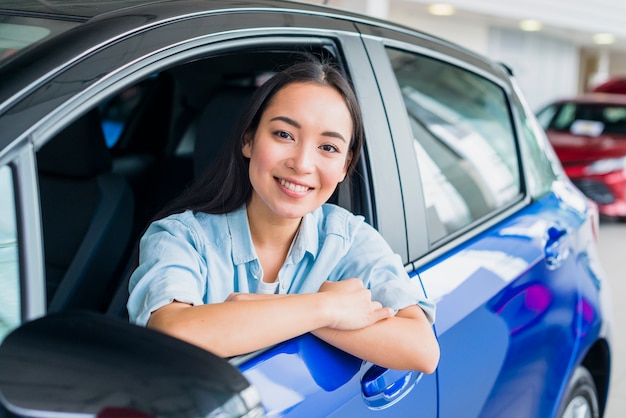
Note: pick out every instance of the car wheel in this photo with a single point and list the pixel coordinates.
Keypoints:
(581, 398)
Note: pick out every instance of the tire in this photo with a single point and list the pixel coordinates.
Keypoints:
(581, 397)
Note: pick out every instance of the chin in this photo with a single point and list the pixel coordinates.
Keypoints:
(293, 211)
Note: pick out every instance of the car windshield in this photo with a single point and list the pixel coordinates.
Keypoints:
(17, 33)
(589, 119)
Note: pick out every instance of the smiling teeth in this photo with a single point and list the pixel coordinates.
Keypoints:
(293, 187)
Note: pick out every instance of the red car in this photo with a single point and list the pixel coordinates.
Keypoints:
(615, 85)
(588, 134)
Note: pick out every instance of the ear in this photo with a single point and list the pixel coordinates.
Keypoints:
(246, 150)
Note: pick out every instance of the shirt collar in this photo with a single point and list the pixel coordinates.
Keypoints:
(243, 249)
(307, 238)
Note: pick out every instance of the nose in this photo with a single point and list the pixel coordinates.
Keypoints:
(302, 159)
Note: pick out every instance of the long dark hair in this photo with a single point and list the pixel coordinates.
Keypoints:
(225, 185)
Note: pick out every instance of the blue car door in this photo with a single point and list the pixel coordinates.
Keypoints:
(507, 314)
(499, 242)
(306, 377)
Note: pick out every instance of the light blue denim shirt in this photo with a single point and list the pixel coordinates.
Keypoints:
(198, 258)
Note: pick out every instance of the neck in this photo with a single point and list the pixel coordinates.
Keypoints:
(271, 230)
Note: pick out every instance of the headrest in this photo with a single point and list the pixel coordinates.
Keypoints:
(216, 123)
(77, 151)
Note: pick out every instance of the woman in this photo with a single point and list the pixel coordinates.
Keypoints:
(251, 255)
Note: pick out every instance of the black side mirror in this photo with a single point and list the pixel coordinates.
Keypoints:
(90, 364)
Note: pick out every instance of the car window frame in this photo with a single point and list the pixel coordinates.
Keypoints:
(525, 119)
(20, 158)
(10, 304)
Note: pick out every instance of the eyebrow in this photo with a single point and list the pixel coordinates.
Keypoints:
(295, 124)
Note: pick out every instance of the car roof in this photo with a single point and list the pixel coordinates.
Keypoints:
(88, 24)
(161, 10)
(99, 21)
(85, 10)
(67, 9)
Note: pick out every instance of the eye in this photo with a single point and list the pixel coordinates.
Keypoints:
(283, 135)
(329, 148)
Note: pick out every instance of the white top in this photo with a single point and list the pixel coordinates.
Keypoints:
(267, 288)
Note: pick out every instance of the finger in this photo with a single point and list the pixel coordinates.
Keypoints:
(376, 305)
(231, 297)
(383, 313)
(326, 285)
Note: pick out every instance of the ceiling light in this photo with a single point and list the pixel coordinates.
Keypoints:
(530, 25)
(441, 9)
(604, 38)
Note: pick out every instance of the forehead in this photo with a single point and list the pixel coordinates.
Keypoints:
(297, 89)
(311, 104)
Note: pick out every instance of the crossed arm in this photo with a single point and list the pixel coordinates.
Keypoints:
(340, 313)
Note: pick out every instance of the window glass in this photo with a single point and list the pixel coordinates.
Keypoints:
(541, 162)
(116, 112)
(545, 115)
(464, 141)
(17, 33)
(9, 272)
(590, 119)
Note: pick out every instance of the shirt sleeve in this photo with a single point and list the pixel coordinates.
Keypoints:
(382, 271)
(171, 267)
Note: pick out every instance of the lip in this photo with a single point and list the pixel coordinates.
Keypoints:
(293, 188)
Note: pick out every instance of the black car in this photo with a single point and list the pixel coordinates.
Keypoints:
(109, 109)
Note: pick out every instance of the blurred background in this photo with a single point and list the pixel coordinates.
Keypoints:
(557, 48)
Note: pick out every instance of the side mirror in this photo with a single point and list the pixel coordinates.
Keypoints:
(88, 364)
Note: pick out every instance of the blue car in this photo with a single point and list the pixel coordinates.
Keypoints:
(109, 109)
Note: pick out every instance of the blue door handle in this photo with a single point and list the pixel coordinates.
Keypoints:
(382, 387)
(556, 250)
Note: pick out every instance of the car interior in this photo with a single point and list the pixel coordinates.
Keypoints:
(106, 175)
(87, 211)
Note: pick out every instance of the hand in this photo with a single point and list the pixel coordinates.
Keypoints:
(351, 306)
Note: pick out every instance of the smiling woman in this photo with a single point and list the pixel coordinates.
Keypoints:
(253, 243)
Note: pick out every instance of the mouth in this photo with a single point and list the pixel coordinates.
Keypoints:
(293, 187)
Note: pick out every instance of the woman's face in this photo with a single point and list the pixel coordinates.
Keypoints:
(300, 151)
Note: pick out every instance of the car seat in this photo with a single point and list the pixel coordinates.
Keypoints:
(216, 122)
(206, 133)
(87, 216)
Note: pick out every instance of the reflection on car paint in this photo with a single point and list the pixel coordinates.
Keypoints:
(299, 370)
(479, 325)
(570, 197)
(588, 317)
(443, 278)
(526, 308)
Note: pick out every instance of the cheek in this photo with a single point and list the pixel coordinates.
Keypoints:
(335, 172)
(261, 160)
